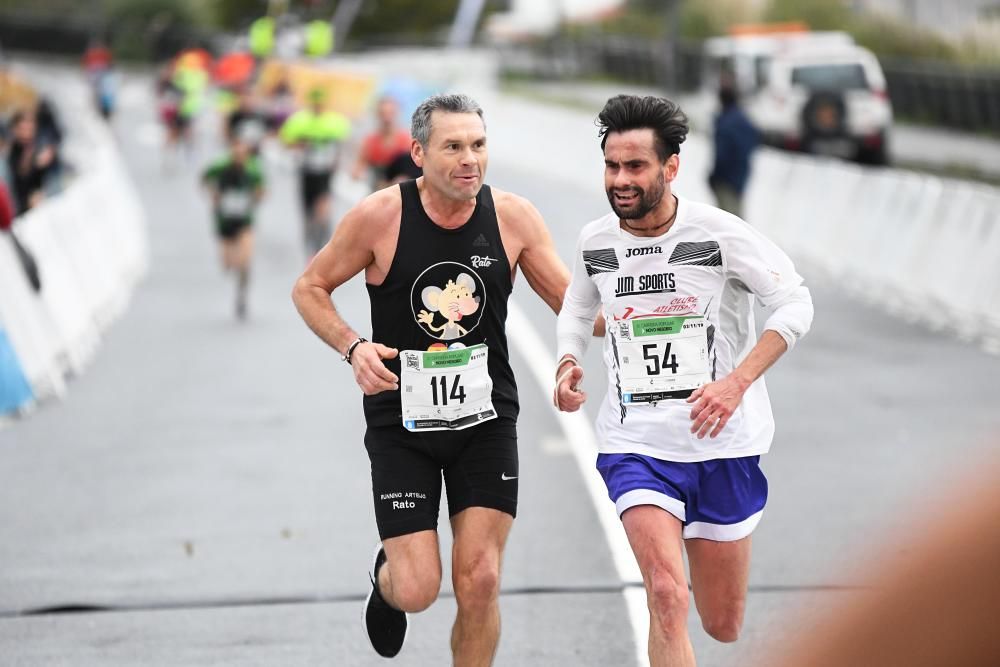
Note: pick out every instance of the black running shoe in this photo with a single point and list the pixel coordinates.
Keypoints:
(386, 626)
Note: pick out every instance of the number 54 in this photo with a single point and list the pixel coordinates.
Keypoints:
(651, 353)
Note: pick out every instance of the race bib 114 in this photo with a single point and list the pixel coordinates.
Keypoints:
(447, 390)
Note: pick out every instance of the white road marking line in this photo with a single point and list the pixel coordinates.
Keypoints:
(135, 95)
(554, 445)
(149, 134)
(580, 436)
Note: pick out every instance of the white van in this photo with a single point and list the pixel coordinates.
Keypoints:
(747, 57)
(825, 101)
(810, 91)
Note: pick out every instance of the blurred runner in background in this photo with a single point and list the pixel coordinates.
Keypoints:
(382, 146)
(167, 99)
(236, 185)
(98, 62)
(246, 122)
(402, 168)
(280, 103)
(188, 82)
(319, 135)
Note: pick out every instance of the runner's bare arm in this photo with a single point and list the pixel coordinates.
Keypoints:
(543, 268)
(538, 259)
(790, 320)
(350, 251)
(719, 400)
(769, 274)
(581, 302)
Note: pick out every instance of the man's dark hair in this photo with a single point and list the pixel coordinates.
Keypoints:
(728, 97)
(630, 112)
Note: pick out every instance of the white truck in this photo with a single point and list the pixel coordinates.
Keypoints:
(816, 92)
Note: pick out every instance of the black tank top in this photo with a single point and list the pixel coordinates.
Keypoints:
(445, 287)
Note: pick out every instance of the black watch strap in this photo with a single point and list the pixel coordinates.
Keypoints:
(350, 348)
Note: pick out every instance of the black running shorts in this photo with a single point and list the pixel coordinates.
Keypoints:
(479, 466)
(229, 229)
(312, 187)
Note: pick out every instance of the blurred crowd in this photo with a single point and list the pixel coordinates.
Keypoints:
(32, 169)
(269, 110)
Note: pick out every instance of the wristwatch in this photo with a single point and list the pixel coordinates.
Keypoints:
(350, 348)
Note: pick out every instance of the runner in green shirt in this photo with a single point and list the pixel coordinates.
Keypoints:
(236, 184)
(319, 134)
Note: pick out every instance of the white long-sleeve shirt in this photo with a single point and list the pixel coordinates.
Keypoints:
(709, 264)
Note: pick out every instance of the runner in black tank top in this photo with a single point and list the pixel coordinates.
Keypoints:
(431, 267)
(440, 399)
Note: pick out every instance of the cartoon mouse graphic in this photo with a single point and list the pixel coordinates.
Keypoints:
(454, 302)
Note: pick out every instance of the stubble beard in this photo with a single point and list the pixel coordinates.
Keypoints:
(647, 201)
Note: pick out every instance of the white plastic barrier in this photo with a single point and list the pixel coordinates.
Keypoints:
(90, 245)
(922, 247)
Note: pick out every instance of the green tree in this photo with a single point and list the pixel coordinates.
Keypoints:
(894, 38)
(698, 18)
(708, 18)
(818, 14)
(236, 14)
(388, 17)
(384, 18)
(136, 25)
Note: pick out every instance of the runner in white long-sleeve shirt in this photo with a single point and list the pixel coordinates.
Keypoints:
(687, 414)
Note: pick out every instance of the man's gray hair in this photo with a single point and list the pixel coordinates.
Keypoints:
(420, 126)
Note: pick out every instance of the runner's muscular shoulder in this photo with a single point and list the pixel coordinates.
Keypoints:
(517, 218)
(529, 245)
(364, 240)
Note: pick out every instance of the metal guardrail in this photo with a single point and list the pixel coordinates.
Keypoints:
(620, 57)
(928, 92)
(944, 94)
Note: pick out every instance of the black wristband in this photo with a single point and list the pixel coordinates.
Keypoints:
(350, 348)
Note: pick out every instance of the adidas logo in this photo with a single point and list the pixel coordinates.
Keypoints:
(481, 242)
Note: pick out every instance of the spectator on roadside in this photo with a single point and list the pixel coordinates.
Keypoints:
(7, 209)
(32, 159)
(48, 124)
(98, 62)
(50, 132)
(735, 141)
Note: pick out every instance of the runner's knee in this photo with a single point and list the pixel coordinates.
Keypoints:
(668, 599)
(477, 583)
(724, 624)
(415, 593)
(723, 627)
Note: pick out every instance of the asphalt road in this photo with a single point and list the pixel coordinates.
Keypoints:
(204, 482)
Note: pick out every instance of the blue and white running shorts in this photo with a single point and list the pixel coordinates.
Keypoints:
(721, 499)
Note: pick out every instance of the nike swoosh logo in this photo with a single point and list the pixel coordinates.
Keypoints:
(505, 478)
